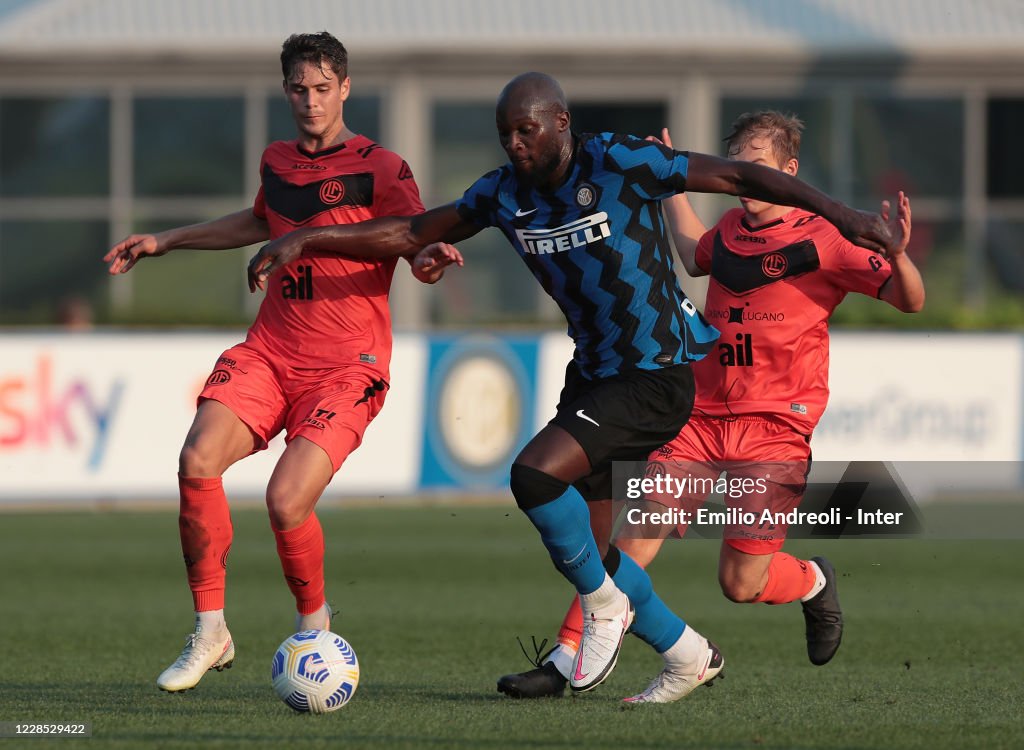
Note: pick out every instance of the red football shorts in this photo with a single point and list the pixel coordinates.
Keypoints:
(756, 463)
(331, 407)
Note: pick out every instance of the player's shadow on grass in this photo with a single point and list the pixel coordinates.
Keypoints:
(471, 695)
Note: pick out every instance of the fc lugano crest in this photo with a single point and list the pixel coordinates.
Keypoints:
(585, 195)
(774, 265)
(332, 191)
(218, 377)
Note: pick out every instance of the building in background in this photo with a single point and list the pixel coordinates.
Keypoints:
(120, 116)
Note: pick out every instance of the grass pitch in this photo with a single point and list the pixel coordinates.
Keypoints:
(95, 605)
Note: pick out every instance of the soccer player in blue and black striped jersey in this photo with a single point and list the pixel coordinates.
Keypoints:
(583, 212)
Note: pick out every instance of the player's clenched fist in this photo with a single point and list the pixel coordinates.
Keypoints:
(429, 263)
(272, 256)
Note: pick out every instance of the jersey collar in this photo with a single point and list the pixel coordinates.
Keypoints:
(326, 151)
(761, 227)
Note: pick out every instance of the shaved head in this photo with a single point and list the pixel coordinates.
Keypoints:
(533, 91)
(533, 127)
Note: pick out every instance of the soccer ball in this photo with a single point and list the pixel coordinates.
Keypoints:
(315, 671)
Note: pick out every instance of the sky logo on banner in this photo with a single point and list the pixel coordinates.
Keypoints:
(36, 412)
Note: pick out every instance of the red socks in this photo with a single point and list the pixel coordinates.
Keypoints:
(302, 559)
(571, 631)
(204, 523)
(788, 579)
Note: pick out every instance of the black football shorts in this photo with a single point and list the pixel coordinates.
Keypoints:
(622, 418)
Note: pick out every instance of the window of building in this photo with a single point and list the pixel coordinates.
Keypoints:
(54, 147)
(634, 118)
(188, 146)
(1004, 269)
(915, 145)
(44, 265)
(1006, 148)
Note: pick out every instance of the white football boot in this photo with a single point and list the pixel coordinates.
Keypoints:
(604, 627)
(677, 680)
(203, 651)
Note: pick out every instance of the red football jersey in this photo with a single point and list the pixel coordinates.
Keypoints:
(771, 292)
(326, 310)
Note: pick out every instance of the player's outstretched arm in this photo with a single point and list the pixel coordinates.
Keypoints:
(428, 264)
(905, 288)
(683, 223)
(687, 229)
(711, 174)
(384, 237)
(234, 230)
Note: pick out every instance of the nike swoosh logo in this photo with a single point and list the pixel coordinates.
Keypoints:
(227, 647)
(578, 675)
(521, 213)
(581, 415)
(575, 557)
(705, 670)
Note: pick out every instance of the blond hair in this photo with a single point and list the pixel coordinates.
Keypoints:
(782, 131)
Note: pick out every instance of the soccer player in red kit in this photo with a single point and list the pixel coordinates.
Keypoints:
(315, 361)
(777, 273)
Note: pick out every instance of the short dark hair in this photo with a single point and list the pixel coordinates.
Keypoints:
(782, 130)
(321, 48)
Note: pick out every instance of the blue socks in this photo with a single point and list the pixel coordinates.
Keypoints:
(560, 514)
(655, 623)
(564, 526)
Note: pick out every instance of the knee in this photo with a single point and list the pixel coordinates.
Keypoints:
(285, 515)
(739, 590)
(532, 488)
(198, 459)
(286, 506)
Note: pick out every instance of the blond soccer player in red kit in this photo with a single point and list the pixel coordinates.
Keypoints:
(315, 361)
(777, 273)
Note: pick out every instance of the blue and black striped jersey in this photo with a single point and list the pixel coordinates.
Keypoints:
(598, 246)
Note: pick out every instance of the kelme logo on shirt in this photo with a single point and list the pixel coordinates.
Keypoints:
(577, 233)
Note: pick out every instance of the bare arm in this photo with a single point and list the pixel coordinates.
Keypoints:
(711, 174)
(905, 289)
(385, 237)
(683, 223)
(687, 229)
(234, 230)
